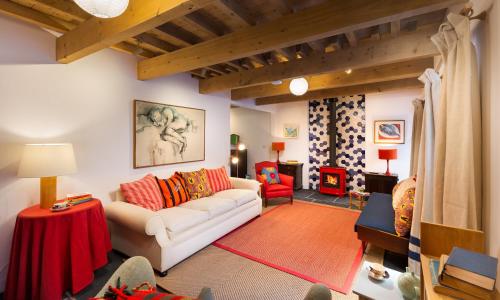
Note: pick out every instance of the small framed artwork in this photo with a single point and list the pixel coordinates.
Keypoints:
(167, 134)
(291, 131)
(389, 132)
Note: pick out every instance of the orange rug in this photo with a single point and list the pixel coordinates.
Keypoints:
(313, 242)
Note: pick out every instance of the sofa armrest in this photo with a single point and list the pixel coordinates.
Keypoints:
(134, 217)
(246, 184)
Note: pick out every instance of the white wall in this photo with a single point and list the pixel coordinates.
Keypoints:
(254, 129)
(390, 106)
(87, 103)
(487, 38)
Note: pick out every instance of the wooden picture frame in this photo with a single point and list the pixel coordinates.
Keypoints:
(291, 131)
(389, 132)
(166, 134)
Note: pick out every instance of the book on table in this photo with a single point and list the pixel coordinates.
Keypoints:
(434, 267)
(472, 267)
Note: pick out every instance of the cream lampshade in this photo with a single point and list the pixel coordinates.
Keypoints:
(47, 161)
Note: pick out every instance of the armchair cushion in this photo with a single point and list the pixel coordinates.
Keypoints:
(286, 180)
(270, 174)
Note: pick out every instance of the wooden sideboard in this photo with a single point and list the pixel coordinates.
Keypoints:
(380, 183)
(294, 170)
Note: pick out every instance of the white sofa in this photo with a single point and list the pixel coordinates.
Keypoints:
(170, 235)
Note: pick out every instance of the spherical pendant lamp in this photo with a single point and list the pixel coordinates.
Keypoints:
(103, 8)
(299, 86)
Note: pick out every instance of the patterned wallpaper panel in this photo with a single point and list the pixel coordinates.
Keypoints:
(350, 139)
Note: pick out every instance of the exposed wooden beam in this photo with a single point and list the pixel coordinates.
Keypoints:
(96, 34)
(402, 48)
(330, 18)
(64, 9)
(379, 87)
(203, 21)
(401, 70)
(31, 16)
(351, 38)
(395, 27)
(239, 11)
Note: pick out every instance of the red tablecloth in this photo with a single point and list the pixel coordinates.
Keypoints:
(54, 252)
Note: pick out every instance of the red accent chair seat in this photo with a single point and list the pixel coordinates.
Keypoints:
(269, 191)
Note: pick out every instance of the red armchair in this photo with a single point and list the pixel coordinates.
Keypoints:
(282, 189)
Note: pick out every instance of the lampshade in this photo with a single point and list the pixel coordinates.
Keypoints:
(46, 160)
(299, 86)
(278, 146)
(388, 154)
(103, 8)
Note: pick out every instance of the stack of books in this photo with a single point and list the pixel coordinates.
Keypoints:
(464, 274)
(75, 199)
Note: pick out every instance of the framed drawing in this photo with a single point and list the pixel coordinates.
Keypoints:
(389, 132)
(167, 134)
(291, 131)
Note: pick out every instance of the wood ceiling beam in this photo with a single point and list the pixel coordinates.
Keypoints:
(330, 18)
(95, 34)
(378, 87)
(402, 48)
(64, 9)
(400, 70)
(351, 38)
(395, 27)
(240, 12)
(31, 16)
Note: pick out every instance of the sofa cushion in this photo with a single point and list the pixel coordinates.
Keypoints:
(214, 206)
(179, 219)
(378, 213)
(174, 190)
(241, 196)
(143, 192)
(197, 184)
(218, 179)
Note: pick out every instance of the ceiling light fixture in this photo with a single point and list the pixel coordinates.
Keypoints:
(299, 86)
(103, 8)
(348, 71)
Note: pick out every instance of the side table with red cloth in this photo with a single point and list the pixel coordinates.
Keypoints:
(55, 252)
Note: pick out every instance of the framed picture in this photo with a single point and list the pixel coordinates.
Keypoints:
(167, 134)
(291, 131)
(389, 132)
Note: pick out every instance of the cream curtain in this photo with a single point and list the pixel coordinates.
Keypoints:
(457, 160)
(425, 165)
(418, 114)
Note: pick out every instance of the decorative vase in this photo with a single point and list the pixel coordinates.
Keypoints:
(409, 285)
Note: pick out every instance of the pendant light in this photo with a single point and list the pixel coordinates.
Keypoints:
(299, 86)
(103, 8)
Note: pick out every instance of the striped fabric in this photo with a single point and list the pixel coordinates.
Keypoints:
(173, 190)
(218, 179)
(143, 192)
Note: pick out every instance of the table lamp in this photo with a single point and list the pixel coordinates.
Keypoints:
(278, 146)
(47, 161)
(388, 154)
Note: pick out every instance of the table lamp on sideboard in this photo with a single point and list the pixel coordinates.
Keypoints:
(47, 161)
(278, 146)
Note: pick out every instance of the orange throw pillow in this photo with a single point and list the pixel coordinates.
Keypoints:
(143, 192)
(173, 190)
(218, 179)
(197, 184)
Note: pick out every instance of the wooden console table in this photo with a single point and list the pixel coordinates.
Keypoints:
(380, 183)
(294, 170)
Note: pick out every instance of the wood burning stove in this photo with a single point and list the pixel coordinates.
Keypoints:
(332, 179)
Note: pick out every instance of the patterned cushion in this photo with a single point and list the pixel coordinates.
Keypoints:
(399, 190)
(404, 213)
(144, 192)
(174, 190)
(271, 175)
(197, 184)
(218, 179)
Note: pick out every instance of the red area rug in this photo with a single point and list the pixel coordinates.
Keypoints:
(313, 242)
